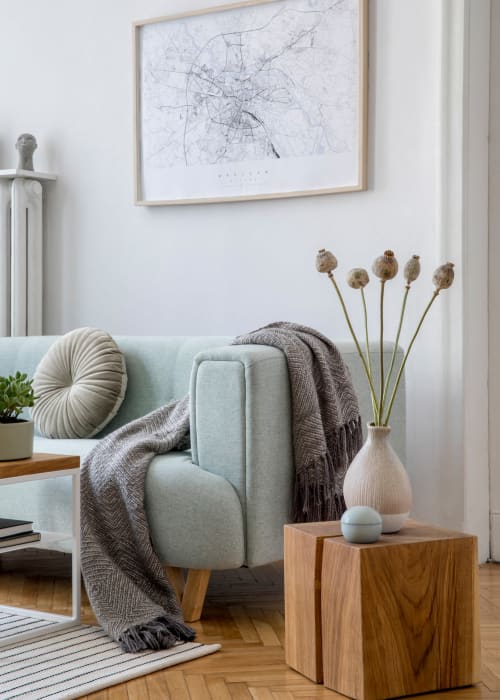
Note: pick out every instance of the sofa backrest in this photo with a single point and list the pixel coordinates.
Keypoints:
(159, 369)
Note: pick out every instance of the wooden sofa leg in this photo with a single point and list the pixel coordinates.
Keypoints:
(194, 593)
(176, 577)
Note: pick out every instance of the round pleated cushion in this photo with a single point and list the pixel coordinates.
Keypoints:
(79, 385)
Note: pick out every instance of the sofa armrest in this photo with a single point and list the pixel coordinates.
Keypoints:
(241, 430)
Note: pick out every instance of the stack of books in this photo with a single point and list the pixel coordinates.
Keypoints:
(14, 532)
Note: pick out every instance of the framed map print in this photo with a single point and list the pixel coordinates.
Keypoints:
(251, 101)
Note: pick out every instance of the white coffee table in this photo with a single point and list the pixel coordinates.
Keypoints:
(17, 624)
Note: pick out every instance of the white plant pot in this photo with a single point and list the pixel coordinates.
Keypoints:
(377, 478)
(16, 440)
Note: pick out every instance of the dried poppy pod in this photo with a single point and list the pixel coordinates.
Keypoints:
(412, 269)
(325, 261)
(357, 278)
(443, 277)
(386, 266)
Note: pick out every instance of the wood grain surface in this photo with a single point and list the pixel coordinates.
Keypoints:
(39, 463)
(400, 617)
(303, 560)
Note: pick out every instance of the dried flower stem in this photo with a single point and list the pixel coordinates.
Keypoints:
(356, 342)
(367, 343)
(381, 351)
(403, 363)
(394, 352)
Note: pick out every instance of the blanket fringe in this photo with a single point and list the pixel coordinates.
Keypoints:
(319, 485)
(160, 633)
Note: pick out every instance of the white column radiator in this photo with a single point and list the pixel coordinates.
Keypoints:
(21, 252)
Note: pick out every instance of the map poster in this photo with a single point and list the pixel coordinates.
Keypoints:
(251, 101)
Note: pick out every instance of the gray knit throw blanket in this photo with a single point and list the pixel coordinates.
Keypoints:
(125, 581)
(326, 424)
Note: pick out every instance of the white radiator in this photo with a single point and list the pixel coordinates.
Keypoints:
(21, 252)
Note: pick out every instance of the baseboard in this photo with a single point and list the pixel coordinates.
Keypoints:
(495, 536)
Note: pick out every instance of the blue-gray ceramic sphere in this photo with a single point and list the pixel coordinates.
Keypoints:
(361, 524)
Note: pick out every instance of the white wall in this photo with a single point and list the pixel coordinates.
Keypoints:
(66, 76)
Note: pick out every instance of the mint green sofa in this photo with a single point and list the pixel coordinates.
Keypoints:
(222, 504)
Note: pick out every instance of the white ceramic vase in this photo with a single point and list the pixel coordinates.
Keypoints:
(377, 478)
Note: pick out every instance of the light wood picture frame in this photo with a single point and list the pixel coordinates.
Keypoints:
(254, 100)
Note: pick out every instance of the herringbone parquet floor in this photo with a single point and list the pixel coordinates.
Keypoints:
(244, 612)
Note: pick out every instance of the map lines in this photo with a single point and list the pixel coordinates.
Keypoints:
(270, 82)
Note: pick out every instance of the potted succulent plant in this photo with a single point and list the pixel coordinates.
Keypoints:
(16, 434)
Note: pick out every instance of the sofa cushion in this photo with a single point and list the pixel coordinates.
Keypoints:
(195, 517)
(80, 384)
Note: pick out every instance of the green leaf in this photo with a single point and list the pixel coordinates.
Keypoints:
(16, 393)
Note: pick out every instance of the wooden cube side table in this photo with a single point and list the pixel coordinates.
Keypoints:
(400, 616)
(303, 563)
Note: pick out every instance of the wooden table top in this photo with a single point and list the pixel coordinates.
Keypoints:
(413, 531)
(39, 463)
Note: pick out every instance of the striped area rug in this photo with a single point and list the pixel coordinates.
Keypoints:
(76, 661)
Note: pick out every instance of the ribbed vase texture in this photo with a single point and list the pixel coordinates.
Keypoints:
(377, 478)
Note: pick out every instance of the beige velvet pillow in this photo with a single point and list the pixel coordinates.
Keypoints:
(79, 384)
